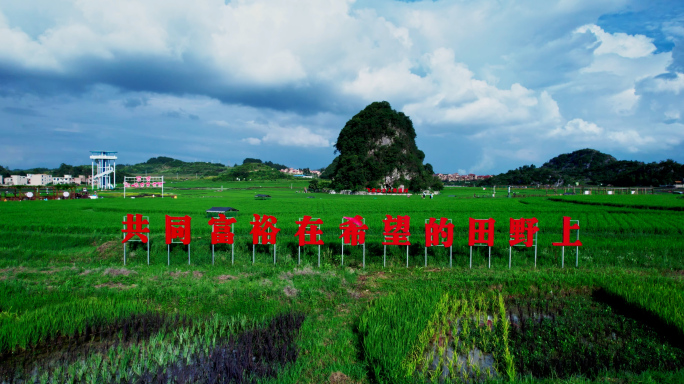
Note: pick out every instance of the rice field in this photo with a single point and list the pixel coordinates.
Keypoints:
(70, 311)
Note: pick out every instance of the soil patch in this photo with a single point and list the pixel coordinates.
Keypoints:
(290, 291)
(115, 285)
(339, 378)
(108, 249)
(118, 272)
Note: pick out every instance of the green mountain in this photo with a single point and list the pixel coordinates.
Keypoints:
(377, 149)
(252, 171)
(164, 166)
(591, 167)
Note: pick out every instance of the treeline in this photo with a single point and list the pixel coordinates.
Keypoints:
(163, 165)
(63, 169)
(591, 167)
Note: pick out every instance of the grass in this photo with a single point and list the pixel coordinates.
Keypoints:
(61, 259)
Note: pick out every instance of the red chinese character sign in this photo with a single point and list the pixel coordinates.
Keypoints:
(396, 232)
(481, 231)
(143, 182)
(439, 234)
(221, 233)
(522, 232)
(135, 226)
(177, 231)
(309, 233)
(354, 233)
(567, 227)
(264, 232)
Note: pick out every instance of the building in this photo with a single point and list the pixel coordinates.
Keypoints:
(39, 179)
(0, 179)
(67, 179)
(17, 180)
(292, 171)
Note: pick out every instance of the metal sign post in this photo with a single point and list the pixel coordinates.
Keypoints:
(232, 248)
(268, 230)
(510, 249)
(440, 245)
(168, 250)
(364, 246)
(138, 239)
(318, 237)
(577, 251)
(480, 245)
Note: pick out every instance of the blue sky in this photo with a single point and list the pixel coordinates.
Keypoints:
(489, 85)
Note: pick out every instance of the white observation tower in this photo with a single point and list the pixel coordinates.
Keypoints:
(104, 169)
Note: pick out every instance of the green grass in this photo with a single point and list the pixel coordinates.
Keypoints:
(57, 258)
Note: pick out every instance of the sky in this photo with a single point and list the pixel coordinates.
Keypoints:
(490, 85)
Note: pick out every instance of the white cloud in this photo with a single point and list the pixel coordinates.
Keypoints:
(670, 85)
(625, 101)
(503, 77)
(630, 46)
(578, 127)
(295, 137)
(220, 123)
(252, 141)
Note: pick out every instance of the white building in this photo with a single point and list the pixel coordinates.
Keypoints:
(67, 179)
(39, 179)
(0, 179)
(17, 180)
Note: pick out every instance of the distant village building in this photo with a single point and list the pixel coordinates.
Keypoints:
(292, 171)
(67, 179)
(39, 179)
(457, 177)
(1, 179)
(17, 180)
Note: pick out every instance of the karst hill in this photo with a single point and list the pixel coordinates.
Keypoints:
(377, 149)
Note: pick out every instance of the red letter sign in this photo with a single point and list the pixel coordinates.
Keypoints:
(566, 234)
(178, 228)
(313, 232)
(353, 230)
(263, 229)
(220, 229)
(134, 227)
(523, 230)
(396, 230)
(433, 232)
(476, 233)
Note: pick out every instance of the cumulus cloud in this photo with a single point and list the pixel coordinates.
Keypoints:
(252, 141)
(578, 127)
(630, 46)
(519, 81)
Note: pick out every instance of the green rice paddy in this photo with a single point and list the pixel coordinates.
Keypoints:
(70, 311)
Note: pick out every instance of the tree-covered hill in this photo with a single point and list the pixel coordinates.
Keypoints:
(163, 165)
(377, 149)
(591, 167)
(252, 171)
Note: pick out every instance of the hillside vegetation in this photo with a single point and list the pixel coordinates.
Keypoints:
(591, 167)
(252, 171)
